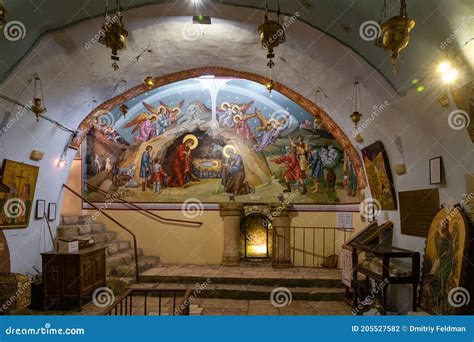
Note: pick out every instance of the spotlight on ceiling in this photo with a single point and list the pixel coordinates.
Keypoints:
(448, 73)
(450, 76)
(202, 19)
(198, 17)
(444, 66)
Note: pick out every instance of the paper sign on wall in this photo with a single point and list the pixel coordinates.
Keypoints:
(344, 220)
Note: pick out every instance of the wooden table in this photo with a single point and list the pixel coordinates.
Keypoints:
(385, 253)
(71, 277)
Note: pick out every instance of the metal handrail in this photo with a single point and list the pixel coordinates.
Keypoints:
(289, 239)
(123, 305)
(186, 222)
(137, 278)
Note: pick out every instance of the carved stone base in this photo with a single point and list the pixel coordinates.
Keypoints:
(230, 261)
(282, 264)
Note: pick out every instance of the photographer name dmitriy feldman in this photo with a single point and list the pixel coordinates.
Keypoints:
(437, 328)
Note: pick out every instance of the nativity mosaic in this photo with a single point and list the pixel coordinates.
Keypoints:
(211, 139)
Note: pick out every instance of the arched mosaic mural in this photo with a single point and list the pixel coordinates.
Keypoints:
(212, 138)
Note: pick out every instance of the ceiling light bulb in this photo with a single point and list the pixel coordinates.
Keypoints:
(444, 67)
(62, 163)
(450, 76)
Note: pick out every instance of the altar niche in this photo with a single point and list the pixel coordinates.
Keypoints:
(256, 233)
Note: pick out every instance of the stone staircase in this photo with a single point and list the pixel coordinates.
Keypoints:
(246, 282)
(120, 263)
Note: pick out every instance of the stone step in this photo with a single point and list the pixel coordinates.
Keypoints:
(255, 292)
(118, 246)
(70, 230)
(149, 277)
(144, 263)
(76, 219)
(119, 284)
(124, 257)
(194, 310)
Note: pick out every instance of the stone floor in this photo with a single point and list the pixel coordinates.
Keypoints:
(243, 290)
(218, 271)
(230, 307)
(218, 307)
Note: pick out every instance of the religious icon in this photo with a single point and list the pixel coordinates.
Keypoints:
(145, 125)
(16, 205)
(446, 266)
(233, 172)
(272, 129)
(379, 175)
(181, 162)
(293, 170)
(181, 141)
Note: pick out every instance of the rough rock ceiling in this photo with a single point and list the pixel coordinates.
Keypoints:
(436, 21)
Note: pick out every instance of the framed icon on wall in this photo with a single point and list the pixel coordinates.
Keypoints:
(51, 211)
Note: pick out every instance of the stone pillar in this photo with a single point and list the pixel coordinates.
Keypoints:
(282, 236)
(231, 213)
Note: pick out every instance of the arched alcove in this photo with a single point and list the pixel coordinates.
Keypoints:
(275, 137)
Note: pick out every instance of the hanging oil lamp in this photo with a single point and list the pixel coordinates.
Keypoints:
(149, 81)
(38, 101)
(114, 34)
(3, 14)
(123, 107)
(272, 34)
(356, 110)
(395, 33)
(270, 85)
(357, 104)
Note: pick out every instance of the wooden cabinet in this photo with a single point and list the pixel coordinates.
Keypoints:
(68, 278)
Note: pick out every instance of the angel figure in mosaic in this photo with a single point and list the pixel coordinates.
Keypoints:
(173, 112)
(272, 129)
(145, 125)
(229, 111)
(163, 116)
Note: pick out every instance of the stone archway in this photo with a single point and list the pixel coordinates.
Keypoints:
(305, 103)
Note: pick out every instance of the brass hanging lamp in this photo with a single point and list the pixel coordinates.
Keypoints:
(149, 80)
(356, 104)
(356, 114)
(272, 34)
(3, 14)
(114, 34)
(395, 33)
(38, 100)
(124, 108)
